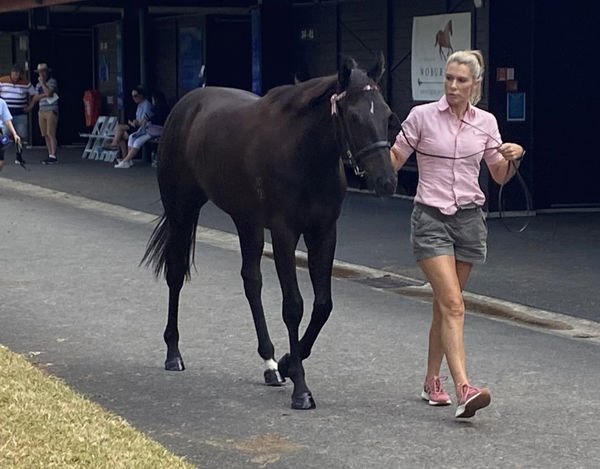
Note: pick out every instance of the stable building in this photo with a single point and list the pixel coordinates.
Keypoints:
(536, 53)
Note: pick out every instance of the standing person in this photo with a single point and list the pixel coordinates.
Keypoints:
(17, 92)
(448, 229)
(122, 131)
(151, 129)
(6, 119)
(47, 96)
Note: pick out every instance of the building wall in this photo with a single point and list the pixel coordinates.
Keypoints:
(363, 32)
(163, 61)
(6, 58)
(316, 40)
(107, 66)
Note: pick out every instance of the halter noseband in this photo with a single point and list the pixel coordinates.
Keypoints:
(353, 159)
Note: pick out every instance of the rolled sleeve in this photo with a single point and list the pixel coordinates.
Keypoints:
(493, 156)
(5, 114)
(408, 137)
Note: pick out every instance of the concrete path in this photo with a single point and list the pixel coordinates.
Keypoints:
(74, 300)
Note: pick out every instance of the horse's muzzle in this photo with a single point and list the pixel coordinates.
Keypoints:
(386, 186)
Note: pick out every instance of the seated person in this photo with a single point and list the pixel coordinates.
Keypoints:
(122, 131)
(151, 129)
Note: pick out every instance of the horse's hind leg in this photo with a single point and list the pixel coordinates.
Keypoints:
(182, 218)
(251, 244)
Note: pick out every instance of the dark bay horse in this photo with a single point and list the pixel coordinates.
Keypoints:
(273, 162)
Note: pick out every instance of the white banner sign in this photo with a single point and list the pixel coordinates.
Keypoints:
(434, 38)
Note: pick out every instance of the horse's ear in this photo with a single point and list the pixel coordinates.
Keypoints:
(348, 63)
(378, 69)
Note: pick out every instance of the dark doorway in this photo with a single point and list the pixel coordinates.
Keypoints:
(228, 51)
(566, 103)
(70, 55)
(74, 72)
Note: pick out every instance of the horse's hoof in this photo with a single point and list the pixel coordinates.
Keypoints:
(273, 378)
(282, 365)
(304, 401)
(176, 364)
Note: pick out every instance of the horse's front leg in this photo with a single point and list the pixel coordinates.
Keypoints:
(284, 246)
(321, 250)
(252, 243)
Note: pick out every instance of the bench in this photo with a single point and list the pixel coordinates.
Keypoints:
(104, 129)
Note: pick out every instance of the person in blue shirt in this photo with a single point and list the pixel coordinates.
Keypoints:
(142, 113)
(6, 118)
(152, 129)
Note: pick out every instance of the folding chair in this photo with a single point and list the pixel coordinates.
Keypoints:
(103, 130)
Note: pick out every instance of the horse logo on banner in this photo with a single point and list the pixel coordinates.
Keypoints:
(442, 40)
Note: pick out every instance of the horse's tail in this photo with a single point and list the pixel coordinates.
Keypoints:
(155, 255)
(159, 244)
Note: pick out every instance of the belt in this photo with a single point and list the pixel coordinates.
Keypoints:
(469, 206)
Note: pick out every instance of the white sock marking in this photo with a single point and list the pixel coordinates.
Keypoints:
(271, 364)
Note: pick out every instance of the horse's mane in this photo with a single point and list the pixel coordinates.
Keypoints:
(301, 95)
(312, 92)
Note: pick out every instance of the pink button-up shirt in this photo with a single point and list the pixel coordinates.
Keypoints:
(433, 128)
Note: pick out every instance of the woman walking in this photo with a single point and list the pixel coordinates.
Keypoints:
(448, 229)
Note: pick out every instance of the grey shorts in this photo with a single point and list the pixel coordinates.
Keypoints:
(462, 235)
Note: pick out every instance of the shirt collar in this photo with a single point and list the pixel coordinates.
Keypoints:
(443, 105)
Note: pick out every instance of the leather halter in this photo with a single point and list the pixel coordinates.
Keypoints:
(353, 159)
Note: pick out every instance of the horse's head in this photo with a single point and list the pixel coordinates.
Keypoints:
(362, 117)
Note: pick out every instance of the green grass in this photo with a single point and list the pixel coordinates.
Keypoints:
(44, 424)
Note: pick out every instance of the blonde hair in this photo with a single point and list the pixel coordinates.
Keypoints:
(474, 60)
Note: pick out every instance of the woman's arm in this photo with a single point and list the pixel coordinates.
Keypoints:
(503, 170)
(397, 158)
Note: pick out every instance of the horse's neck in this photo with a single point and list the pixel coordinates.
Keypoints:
(320, 128)
(315, 112)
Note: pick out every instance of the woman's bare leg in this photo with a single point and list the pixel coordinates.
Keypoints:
(447, 277)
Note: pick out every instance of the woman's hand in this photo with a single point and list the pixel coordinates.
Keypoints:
(511, 151)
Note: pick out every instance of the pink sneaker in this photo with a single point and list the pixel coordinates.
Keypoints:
(434, 393)
(470, 400)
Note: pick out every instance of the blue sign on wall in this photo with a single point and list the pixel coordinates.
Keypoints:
(190, 58)
(515, 106)
(256, 48)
